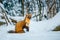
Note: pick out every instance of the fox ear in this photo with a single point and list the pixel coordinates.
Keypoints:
(27, 14)
(30, 14)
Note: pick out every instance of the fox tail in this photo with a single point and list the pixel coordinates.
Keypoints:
(11, 31)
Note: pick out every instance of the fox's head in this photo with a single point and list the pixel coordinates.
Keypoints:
(28, 16)
(27, 19)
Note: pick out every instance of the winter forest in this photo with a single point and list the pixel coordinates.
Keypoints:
(43, 25)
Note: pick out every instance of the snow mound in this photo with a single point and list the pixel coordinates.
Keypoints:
(46, 25)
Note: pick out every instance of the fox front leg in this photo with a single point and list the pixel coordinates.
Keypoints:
(27, 28)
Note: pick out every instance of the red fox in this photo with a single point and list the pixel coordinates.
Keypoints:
(19, 27)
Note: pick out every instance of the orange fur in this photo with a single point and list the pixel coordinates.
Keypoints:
(19, 27)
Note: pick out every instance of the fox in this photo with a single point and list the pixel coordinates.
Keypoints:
(19, 26)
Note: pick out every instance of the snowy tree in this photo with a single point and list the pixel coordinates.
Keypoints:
(21, 7)
(3, 12)
(51, 5)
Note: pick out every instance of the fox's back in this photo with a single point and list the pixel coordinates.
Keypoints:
(19, 25)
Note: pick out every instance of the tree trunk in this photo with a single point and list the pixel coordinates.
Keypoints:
(35, 10)
(1, 1)
(51, 8)
(23, 7)
(39, 5)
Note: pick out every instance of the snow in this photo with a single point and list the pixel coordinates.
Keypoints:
(38, 30)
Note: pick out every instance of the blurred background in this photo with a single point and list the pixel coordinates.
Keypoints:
(40, 9)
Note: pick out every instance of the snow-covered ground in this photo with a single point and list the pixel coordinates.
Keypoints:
(38, 31)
